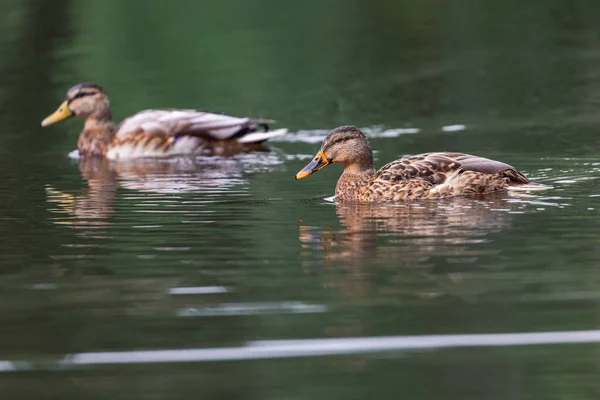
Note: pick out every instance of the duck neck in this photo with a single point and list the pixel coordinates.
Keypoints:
(354, 177)
(98, 132)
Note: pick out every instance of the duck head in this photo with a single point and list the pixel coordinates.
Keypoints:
(85, 100)
(345, 145)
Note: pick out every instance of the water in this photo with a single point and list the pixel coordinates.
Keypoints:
(226, 278)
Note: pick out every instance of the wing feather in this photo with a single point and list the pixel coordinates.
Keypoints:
(187, 122)
(436, 167)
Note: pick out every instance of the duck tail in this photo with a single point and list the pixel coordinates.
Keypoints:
(527, 187)
(519, 182)
(259, 137)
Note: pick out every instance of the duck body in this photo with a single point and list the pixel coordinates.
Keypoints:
(429, 176)
(157, 133)
(424, 176)
(167, 133)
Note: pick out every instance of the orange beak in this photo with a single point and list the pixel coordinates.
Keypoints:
(319, 162)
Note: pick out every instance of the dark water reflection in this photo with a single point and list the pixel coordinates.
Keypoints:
(426, 251)
(412, 233)
(158, 182)
(210, 254)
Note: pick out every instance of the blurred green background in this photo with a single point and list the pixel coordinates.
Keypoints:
(90, 251)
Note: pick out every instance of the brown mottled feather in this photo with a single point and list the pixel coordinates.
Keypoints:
(423, 176)
(430, 175)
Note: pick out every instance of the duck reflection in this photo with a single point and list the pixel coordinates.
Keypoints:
(92, 210)
(421, 251)
(404, 254)
(409, 233)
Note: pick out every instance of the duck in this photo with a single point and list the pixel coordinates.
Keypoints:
(432, 175)
(157, 132)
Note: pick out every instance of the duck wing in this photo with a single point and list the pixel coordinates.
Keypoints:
(436, 167)
(490, 167)
(201, 124)
(428, 167)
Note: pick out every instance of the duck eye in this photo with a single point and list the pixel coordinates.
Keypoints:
(81, 94)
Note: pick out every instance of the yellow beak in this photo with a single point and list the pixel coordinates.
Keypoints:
(320, 161)
(62, 113)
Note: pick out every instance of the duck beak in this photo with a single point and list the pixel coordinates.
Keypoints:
(62, 113)
(320, 161)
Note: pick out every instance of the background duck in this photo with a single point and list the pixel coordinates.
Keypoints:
(423, 176)
(156, 133)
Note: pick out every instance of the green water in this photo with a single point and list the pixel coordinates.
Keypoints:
(93, 256)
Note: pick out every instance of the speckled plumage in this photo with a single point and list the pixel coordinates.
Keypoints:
(423, 176)
(156, 133)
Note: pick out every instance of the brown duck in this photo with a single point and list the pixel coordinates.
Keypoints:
(423, 176)
(156, 133)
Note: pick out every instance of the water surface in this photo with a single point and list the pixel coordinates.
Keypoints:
(253, 285)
